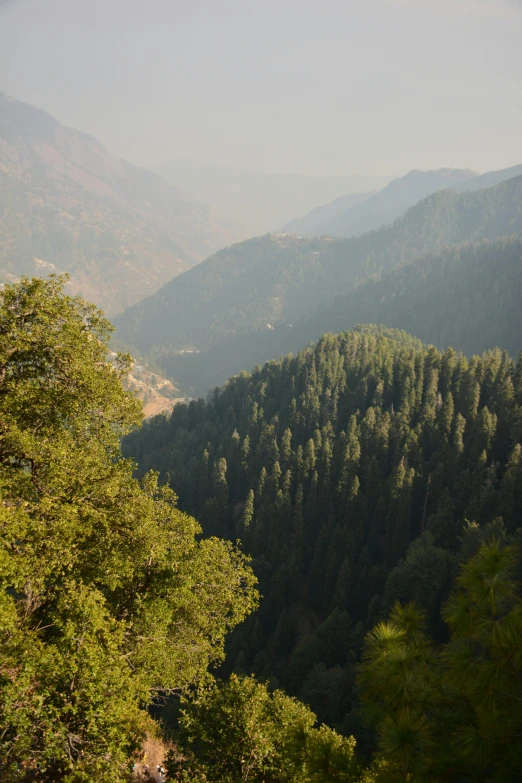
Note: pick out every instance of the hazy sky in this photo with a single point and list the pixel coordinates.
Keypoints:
(309, 86)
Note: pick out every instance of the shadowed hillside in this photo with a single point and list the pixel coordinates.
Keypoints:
(259, 299)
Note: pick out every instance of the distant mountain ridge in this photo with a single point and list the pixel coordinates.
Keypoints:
(232, 307)
(313, 222)
(392, 201)
(490, 178)
(260, 202)
(68, 204)
(344, 217)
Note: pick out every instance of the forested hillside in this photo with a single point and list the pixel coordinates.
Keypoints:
(465, 296)
(365, 470)
(259, 299)
(357, 473)
(67, 204)
(346, 217)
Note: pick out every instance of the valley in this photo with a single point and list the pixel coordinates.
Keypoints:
(157, 394)
(264, 202)
(260, 392)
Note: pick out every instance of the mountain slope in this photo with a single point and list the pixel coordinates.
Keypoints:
(262, 202)
(346, 216)
(467, 296)
(252, 290)
(312, 223)
(349, 472)
(490, 178)
(67, 204)
(388, 204)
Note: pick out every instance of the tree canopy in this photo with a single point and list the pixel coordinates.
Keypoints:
(109, 595)
(357, 474)
(452, 712)
(239, 731)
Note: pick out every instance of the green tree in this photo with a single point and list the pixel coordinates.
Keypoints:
(239, 731)
(248, 511)
(510, 496)
(452, 712)
(108, 595)
(483, 661)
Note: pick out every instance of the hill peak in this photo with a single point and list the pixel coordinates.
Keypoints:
(118, 230)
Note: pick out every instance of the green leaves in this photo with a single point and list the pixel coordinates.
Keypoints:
(239, 731)
(107, 592)
(460, 703)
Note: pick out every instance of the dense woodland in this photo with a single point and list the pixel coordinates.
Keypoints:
(465, 296)
(357, 474)
(370, 477)
(259, 299)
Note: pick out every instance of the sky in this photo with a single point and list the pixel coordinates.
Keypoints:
(318, 87)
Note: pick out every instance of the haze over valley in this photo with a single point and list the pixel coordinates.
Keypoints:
(261, 203)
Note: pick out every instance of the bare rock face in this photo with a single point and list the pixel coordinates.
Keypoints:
(158, 394)
(69, 205)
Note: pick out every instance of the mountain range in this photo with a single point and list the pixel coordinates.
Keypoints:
(131, 242)
(347, 216)
(261, 298)
(69, 205)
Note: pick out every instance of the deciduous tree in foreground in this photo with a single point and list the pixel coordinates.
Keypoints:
(108, 594)
(239, 731)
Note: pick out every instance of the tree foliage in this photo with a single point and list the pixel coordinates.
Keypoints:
(355, 473)
(239, 731)
(452, 712)
(108, 594)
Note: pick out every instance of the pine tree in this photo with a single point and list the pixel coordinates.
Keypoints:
(510, 496)
(286, 446)
(451, 425)
(248, 511)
